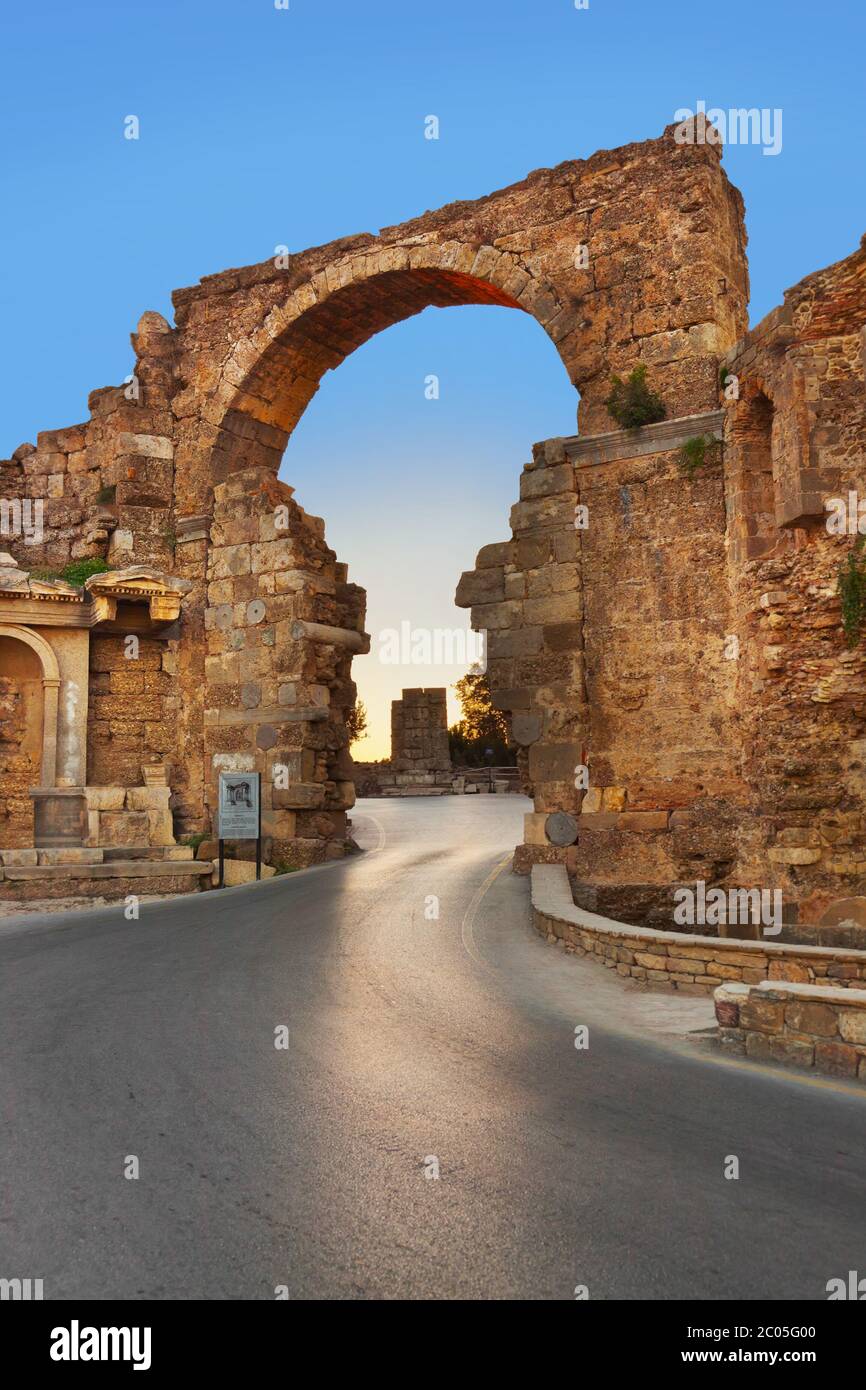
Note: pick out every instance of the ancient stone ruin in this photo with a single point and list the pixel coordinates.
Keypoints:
(420, 762)
(666, 640)
(419, 732)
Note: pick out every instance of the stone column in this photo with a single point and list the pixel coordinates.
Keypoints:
(50, 698)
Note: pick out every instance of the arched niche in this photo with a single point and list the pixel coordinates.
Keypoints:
(50, 696)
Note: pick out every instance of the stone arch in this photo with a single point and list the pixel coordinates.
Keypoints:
(274, 370)
(656, 282)
(50, 695)
(261, 392)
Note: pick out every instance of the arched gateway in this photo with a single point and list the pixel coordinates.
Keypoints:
(607, 642)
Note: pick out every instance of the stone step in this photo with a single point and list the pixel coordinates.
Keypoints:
(72, 856)
(69, 856)
(116, 868)
(125, 852)
(164, 854)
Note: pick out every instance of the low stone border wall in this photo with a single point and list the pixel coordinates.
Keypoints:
(818, 1026)
(674, 960)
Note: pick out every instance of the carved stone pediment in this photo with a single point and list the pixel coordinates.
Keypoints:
(57, 603)
(54, 588)
(137, 584)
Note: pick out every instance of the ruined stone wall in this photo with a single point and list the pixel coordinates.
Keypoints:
(60, 475)
(684, 642)
(800, 423)
(665, 785)
(106, 486)
(419, 731)
(282, 625)
(420, 762)
(607, 615)
(527, 594)
(132, 709)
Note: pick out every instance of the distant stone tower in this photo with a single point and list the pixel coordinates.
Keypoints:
(419, 732)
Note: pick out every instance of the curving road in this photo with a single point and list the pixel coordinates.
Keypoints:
(410, 1038)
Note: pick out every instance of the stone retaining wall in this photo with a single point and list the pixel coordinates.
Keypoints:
(818, 1026)
(674, 960)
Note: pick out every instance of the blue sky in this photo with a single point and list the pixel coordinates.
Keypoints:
(262, 127)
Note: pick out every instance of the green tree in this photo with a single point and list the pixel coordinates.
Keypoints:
(482, 727)
(356, 722)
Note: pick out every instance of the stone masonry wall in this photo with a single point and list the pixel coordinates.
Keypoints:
(795, 438)
(685, 642)
(677, 961)
(606, 617)
(282, 625)
(20, 750)
(132, 709)
(799, 1025)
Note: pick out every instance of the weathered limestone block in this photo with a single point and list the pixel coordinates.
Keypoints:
(17, 857)
(806, 1017)
(793, 856)
(762, 1015)
(105, 798)
(642, 821)
(554, 762)
(852, 1025)
(542, 513)
(298, 796)
(160, 827)
(836, 1058)
(238, 871)
(544, 482)
(123, 828)
(70, 855)
(147, 798)
(481, 587)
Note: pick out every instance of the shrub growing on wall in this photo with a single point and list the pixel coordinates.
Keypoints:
(76, 573)
(81, 570)
(697, 452)
(631, 402)
(852, 591)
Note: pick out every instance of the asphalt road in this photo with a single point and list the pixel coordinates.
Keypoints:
(411, 1038)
